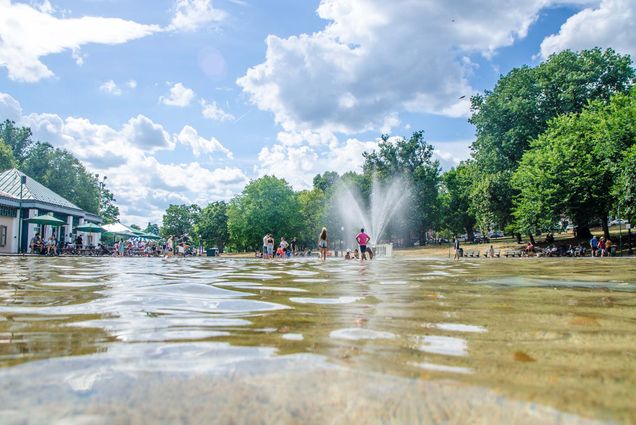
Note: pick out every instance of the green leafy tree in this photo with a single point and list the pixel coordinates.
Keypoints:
(211, 225)
(17, 138)
(135, 227)
(7, 161)
(266, 205)
(152, 229)
(64, 174)
(572, 168)
(326, 181)
(108, 210)
(313, 210)
(412, 160)
(457, 216)
(522, 103)
(179, 220)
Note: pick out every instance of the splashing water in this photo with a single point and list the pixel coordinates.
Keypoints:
(388, 201)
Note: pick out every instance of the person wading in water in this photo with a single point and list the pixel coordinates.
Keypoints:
(363, 239)
(323, 243)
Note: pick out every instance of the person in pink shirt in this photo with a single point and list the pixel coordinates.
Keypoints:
(363, 239)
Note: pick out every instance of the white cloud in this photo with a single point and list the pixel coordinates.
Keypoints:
(180, 96)
(299, 164)
(213, 112)
(201, 146)
(29, 33)
(375, 58)
(191, 15)
(10, 108)
(131, 84)
(610, 24)
(143, 186)
(110, 87)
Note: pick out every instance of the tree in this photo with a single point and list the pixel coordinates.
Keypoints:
(108, 210)
(312, 212)
(326, 181)
(179, 220)
(152, 228)
(455, 202)
(412, 160)
(571, 169)
(18, 139)
(7, 161)
(266, 205)
(64, 174)
(211, 225)
(523, 102)
(135, 227)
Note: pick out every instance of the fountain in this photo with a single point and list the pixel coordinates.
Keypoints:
(388, 201)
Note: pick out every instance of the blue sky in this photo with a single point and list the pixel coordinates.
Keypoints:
(187, 100)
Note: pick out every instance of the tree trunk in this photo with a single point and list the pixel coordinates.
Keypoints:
(605, 227)
(531, 236)
(584, 232)
(518, 235)
(470, 235)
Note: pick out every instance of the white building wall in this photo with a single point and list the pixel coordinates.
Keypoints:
(12, 234)
(33, 212)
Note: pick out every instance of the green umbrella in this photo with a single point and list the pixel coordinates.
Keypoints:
(90, 228)
(46, 219)
(151, 236)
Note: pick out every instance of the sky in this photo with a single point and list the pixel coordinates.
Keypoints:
(186, 101)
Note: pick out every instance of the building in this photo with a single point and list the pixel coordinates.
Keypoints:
(20, 192)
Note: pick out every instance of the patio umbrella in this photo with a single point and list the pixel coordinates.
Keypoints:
(46, 219)
(90, 228)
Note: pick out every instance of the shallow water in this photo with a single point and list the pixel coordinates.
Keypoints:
(244, 341)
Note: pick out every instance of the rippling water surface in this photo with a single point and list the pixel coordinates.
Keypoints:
(244, 341)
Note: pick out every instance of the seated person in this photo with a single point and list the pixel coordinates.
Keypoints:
(36, 244)
(280, 252)
(356, 254)
(348, 255)
(491, 252)
(51, 246)
(79, 242)
(529, 248)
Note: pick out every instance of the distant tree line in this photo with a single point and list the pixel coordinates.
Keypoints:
(55, 168)
(555, 143)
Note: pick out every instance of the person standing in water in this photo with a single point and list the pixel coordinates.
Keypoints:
(323, 243)
(363, 239)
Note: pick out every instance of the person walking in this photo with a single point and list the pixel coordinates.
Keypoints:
(594, 245)
(323, 243)
(363, 239)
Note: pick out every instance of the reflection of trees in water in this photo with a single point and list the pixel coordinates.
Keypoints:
(25, 338)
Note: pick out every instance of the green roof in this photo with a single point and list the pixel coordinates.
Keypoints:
(32, 190)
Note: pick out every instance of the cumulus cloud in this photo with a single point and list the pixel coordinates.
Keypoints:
(610, 24)
(214, 112)
(199, 145)
(29, 33)
(110, 87)
(191, 15)
(180, 96)
(375, 58)
(299, 164)
(143, 185)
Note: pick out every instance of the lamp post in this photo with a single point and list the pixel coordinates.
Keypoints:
(101, 185)
(23, 181)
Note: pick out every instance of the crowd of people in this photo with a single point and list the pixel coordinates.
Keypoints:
(598, 247)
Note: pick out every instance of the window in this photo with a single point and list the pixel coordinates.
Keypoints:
(3, 235)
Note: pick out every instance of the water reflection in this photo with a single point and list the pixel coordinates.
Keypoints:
(553, 332)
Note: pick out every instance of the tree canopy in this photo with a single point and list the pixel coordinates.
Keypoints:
(179, 220)
(211, 225)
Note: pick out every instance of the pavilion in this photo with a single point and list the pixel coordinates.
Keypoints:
(19, 192)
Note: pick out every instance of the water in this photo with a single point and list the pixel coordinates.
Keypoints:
(529, 341)
(388, 202)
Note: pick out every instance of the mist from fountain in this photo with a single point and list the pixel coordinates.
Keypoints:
(388, 202)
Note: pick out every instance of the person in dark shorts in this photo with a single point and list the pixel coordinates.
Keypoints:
(363, 239)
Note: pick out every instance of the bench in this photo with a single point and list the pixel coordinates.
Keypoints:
(513, 253)
(495, 253)
(471, 254)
